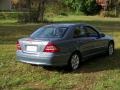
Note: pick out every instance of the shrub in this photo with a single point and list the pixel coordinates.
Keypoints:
(28, 17)
(24, 17)
(90, 7)
(9, 15)
(63, 14)
(109, 14)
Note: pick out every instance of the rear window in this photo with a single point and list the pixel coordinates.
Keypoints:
(49, 32)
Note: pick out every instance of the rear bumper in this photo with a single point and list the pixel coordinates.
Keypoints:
(45, 59)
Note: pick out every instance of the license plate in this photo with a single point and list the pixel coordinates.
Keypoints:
(31, 48)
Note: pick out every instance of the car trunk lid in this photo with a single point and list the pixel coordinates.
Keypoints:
(29, 45)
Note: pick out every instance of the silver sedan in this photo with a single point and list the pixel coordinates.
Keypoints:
(63, 44)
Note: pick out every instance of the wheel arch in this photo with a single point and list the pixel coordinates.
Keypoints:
(76, 51)
(69, 65)
(112, 41)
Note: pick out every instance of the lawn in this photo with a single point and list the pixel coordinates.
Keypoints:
(96, 74)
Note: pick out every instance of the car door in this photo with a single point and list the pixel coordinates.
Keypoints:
(97, 42)
(82, 41)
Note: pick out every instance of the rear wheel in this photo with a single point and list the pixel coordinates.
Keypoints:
(74, 61)
(110, 49)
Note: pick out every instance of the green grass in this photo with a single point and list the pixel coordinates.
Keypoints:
(5, 21)
(97, 74)
(83, 18)
(96, 20)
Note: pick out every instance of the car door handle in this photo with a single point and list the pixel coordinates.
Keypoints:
(94, 39)
(80, 41)
(77, 41)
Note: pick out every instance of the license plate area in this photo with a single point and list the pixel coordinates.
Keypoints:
(31, 48)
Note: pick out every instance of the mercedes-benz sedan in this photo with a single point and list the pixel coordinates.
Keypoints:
(63, 44)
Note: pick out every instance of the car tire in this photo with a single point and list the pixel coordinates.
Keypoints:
(74, 62)
(110, 50)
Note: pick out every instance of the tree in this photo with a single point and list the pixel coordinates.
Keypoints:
(42, 7)
(28, 2)
(37, 13)
(41, 10)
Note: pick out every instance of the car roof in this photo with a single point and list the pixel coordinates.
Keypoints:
(66, 24)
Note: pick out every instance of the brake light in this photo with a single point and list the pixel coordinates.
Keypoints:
(18, 45)
(52, 48)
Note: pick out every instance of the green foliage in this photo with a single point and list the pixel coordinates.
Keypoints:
(90, 7)
(63, 14)
(9, 15)
(73, 4)
(28, 17)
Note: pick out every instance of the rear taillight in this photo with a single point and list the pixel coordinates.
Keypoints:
(52, 48)
(18, 45)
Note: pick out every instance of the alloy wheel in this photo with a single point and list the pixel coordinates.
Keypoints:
(110, 49)
(75, 61)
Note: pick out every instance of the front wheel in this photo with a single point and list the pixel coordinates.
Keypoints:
(74, 61)
(110, 49)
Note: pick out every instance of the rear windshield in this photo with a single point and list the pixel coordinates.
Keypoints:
(49, 32)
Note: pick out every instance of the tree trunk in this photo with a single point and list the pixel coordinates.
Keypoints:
(41, 10)
(29, 9)
(29, 5)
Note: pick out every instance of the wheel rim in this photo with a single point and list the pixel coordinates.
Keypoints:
(111, 49)
(75, 62)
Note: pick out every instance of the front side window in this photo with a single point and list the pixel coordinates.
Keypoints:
(49, 32)
(91, 32)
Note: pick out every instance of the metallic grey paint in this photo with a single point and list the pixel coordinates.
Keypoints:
(87, 46)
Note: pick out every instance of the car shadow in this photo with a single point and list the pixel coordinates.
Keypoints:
(100, 63)
(94, 64)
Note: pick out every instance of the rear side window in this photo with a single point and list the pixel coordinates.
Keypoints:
(49, 32)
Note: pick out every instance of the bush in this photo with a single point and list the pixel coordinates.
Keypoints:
(63, 14)
(109, 14)
(90, 7)
(9, 15)
(24, 17)
(28, 17)
(20, 16)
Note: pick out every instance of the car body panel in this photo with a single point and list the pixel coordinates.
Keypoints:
(43, 58)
